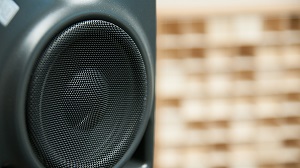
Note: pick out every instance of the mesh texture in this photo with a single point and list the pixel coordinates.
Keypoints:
(87, 97)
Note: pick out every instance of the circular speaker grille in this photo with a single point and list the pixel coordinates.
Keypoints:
(87, 96)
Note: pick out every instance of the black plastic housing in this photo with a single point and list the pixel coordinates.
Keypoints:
(25, 37)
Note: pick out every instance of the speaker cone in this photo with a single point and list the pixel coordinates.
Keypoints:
(86, 99)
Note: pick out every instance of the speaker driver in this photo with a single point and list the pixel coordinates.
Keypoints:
(86, 100)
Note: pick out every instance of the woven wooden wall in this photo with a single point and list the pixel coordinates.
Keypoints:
(228, 88)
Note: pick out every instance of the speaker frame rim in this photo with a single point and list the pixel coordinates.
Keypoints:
(21, 74)
(145, 120)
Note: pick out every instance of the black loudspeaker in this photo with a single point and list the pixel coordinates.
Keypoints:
(77, 83)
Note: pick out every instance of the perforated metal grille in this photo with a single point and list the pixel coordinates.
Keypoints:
(87, 97)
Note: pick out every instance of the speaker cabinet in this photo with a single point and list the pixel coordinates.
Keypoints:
(77, 83)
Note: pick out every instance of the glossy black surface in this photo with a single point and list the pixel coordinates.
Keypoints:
(26, 36)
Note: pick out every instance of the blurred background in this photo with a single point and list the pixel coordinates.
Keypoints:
(228, 84)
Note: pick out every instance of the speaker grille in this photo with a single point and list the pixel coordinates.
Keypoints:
(87, 96)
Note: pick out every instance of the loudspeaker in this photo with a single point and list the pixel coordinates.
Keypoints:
(77, 83)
